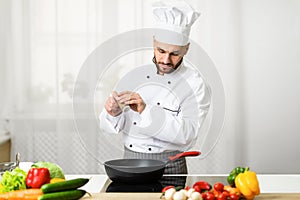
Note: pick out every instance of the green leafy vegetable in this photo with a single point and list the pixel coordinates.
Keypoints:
(54, 169)
(14, 180)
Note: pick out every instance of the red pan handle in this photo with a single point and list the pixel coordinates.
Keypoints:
(184, 154)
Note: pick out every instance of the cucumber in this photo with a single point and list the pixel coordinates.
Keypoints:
(64, 185)
(63, 195)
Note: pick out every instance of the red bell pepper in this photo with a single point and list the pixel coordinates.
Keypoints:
(36, 177)
(202, 186)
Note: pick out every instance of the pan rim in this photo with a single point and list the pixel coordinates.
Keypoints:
(111, 164)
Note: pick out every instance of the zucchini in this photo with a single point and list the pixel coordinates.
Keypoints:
(63, 195)
(64, 185)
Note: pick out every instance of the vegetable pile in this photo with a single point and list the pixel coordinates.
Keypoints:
(43, 181)
(64, 190)
(54, 169)
(242, 184)
(14, 180)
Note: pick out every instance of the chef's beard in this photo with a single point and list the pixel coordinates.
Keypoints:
(172, 69)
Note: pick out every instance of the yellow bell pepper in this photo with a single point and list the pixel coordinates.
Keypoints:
(247, 183)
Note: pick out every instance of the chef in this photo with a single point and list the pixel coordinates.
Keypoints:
(159, 108)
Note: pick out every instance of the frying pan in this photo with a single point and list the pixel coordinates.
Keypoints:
(9, 166)
(140, 170)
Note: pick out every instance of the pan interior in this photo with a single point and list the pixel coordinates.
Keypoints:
(135, 165)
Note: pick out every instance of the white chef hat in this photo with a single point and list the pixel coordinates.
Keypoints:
(173, 21)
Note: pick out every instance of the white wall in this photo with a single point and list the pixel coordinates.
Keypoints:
(3, 13)
(271, 84)
(255, 45)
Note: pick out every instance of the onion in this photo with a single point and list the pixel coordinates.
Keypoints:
(169, 194)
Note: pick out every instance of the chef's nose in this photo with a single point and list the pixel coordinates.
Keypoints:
(166, 58)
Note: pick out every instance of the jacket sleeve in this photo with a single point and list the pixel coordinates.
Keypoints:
(110, 124)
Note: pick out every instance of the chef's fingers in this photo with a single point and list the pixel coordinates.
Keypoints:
(124, 92)
(133, 101)
(114, 94)
(135, 98)
(124, 97)
(112, 99)
(112, 107)
(108, 108)
(116, 98)
(136, 103)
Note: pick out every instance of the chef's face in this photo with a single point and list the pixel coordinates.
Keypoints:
(167, 56)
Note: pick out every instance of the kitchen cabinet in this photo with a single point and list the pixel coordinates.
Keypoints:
(5, 145)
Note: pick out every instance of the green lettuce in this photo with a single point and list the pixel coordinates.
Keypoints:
(54, 169)
(14, 180)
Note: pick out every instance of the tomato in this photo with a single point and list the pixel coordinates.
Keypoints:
(166, 188)
(219, 186)
(226, 193)
(234, 197)
(209, 196)
(216, 193)
(223, 196)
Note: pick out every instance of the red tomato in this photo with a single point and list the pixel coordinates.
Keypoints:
(222, 196)
(226, 193)
(209, 196)
(219, 186)
(216, 193)
(234, 197)
(166, 188)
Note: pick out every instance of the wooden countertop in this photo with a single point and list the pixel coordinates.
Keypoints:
(156, 196)
(273, 187)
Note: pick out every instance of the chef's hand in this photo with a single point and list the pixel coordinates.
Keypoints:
(134, 100)
(111, 105)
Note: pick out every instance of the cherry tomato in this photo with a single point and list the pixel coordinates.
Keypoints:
(223, 196)
(219, 186)
(187, 188)
(226, 193)
(166, 188)
(234, 197)
(209, 196)
(216, 193)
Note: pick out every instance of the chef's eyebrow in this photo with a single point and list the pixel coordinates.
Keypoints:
(173, 52)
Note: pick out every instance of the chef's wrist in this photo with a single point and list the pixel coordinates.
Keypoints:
(143, 107)
(113, 117)
(117, 114)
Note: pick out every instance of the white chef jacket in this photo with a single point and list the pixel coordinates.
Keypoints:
(176, 106)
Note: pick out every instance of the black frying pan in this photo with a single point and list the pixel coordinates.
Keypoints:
(140, 170)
